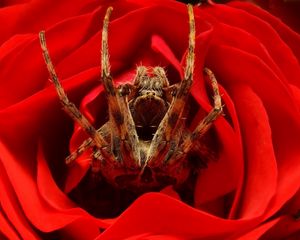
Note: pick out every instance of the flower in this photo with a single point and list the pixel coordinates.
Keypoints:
(250, 191)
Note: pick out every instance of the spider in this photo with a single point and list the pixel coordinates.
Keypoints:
(145, 144)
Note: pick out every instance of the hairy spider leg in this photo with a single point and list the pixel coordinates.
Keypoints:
(191, 140)
(88, 143)
(124, 138)
(206, 123)
(165, 139)
(70, 107)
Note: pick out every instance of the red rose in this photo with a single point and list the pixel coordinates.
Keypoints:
(249, 192)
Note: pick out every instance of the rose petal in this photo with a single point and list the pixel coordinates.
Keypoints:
(79, 229)
(290, 37)
(225, 175)
(21, 18)
(277, 48)
(259, 231)
(159, 45)
(169, 190)
(296, 93)
(7, 231)
(7, 3)
(76, 172)
(48, 221)
(286, 227)
(10, 205)
(22, 176)
(258, 151)
(229, 35)
(278, 101)
(211, 184)
(288, 223)
(160, 214)
(135, 37)
(287, 11)
(149, 236)
(32, 74)
(48, 188)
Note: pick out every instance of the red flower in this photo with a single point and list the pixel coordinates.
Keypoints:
(249, 192)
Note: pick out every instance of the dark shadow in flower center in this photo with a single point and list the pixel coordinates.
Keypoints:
(102, 200)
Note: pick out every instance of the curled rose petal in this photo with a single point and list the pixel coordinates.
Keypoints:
(13, 212)
(196, 223)
(286, 34)
(259, 231)
(287, 11)
(20, 17)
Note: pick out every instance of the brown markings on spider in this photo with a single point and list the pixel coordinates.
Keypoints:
(145, 144)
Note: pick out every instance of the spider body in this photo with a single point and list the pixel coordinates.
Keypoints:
(145, 144)
(148, 100)
(149, 104)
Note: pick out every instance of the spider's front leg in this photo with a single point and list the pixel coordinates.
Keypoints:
(169, 145)
(70, 108)
(191, 140)
(89, 143)
(124, 139)
(206, 123)
(166, 139)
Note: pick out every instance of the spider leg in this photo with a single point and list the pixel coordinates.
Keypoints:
(206, 123)
(119, 114)
(191, 140)
(172, 154)
(88, 143)
(68, 106)
(164, 137)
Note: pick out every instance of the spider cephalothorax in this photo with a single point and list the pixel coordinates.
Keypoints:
(145, 144)
(150, 100)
